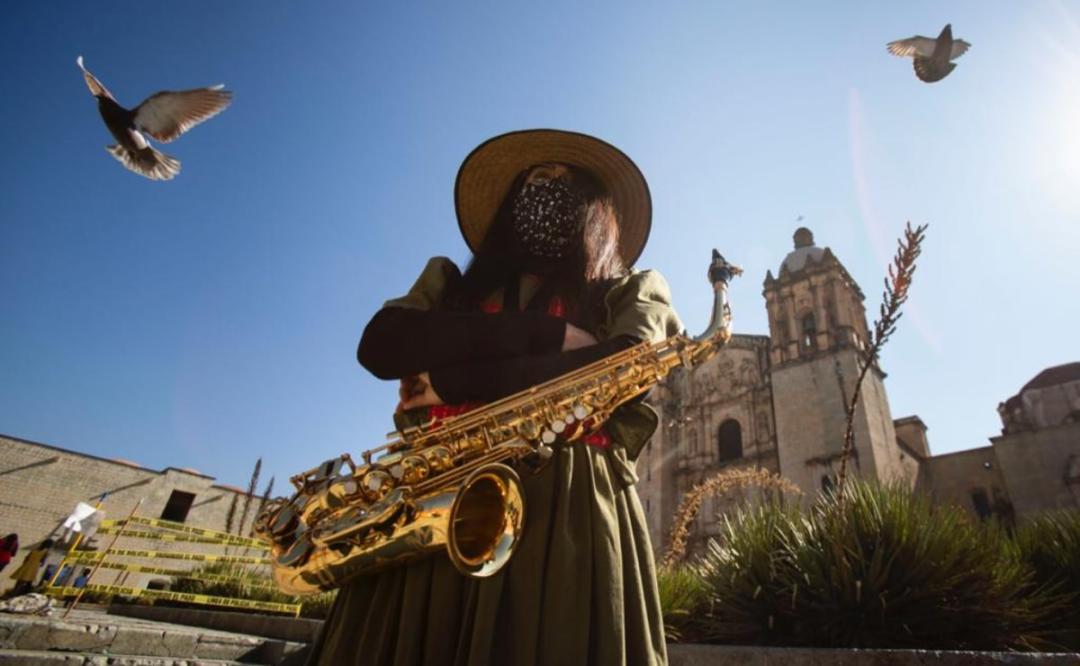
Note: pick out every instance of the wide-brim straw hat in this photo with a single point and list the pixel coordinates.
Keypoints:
(486, 175)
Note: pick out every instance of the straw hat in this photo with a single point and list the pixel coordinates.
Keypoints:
(486, 175)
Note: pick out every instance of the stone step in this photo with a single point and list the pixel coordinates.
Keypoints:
(94, 633)
(57, 658)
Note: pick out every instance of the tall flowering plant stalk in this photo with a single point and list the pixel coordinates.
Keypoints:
(717, 484)
(897, 284)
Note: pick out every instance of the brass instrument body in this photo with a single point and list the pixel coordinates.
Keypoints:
(453, 486)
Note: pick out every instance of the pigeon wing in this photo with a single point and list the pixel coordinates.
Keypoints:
(912, 46)
(959, 48)
(166, 115)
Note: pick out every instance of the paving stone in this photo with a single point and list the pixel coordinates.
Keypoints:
(227, 647)
(140, 641)
(30, 636)
(180, 644)
(78, 637)
(44, 658)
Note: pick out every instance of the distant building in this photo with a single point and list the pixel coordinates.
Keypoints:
(41, 484)
(778, 402)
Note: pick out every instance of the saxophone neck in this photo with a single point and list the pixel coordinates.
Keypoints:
(717, 334)
(719, 329)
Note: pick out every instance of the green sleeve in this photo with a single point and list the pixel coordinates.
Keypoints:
(639, 305)
(428, 288)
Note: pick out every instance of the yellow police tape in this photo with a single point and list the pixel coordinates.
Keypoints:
(93, 556)
(185, 597)
(180, 573)
(186, 538)
(223, 537)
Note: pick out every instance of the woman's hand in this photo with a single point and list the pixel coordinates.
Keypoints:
(576, 338)
(416, 391)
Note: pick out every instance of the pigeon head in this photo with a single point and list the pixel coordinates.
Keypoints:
(95, 86)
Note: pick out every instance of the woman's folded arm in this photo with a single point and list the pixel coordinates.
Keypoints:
(399, 342)
(490, 380)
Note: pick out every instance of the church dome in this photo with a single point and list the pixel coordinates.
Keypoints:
(1054, 376)
(804, 251)
(1059, 374)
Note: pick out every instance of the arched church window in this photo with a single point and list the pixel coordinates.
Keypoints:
(809, 332)
(730, 440)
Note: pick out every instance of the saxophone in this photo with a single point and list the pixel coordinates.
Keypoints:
(452, 485)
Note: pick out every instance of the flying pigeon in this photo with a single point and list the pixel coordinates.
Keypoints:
(931, 56)
(164, 116)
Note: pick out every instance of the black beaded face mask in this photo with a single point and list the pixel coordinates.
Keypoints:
(547, 218)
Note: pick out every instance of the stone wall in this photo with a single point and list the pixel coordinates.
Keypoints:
(955, 478)
(1040, 468)
(41, 485)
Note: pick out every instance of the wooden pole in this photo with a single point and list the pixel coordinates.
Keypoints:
(102, 559)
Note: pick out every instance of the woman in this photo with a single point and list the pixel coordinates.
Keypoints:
(555, 219)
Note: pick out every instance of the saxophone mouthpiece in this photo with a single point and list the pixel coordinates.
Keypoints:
(720, 270)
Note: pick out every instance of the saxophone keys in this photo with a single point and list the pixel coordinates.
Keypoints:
(544, 452)
(580, 411)
(548, 436)
(376, 484)
(559, 426)
(529, 430)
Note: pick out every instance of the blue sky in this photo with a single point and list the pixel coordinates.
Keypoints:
(210, 320)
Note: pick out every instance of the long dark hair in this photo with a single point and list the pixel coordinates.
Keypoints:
(581, 278)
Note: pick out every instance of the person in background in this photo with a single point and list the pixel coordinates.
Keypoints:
(47, 575)
(61, 580)
(27, 572)
(82, 579)
(9, 546)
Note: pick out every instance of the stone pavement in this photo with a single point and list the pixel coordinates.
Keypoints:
(94, 637)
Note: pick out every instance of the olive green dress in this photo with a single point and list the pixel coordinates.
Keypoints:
(581, 587)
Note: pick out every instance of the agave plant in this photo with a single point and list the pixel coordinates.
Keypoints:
(750, 577)
(684, 596)
(883, 568)
(874, 567)
(1050, 545)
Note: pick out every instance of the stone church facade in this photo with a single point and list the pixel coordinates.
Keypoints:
(779, 402)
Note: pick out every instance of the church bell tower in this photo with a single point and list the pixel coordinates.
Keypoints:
(818, 329)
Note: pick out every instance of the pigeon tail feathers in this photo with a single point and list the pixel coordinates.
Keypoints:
(147, 162)
(929, 71)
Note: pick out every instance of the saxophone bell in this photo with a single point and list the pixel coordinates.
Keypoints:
(486, 521)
